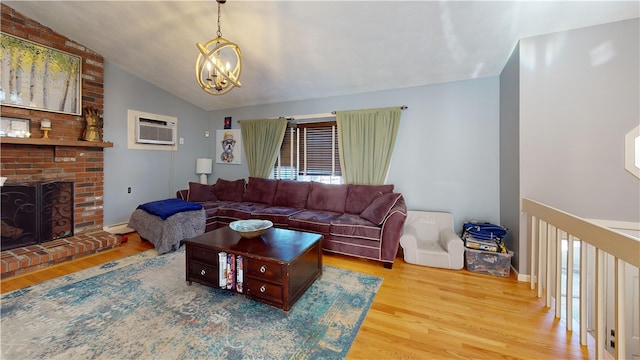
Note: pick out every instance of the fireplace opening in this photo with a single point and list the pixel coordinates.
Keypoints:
(35, 213)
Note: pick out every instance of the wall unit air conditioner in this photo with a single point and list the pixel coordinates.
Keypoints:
(159, 132)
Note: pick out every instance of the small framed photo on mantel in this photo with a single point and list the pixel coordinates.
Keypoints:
(13, 127)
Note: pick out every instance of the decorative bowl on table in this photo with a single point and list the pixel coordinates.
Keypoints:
(250, 228)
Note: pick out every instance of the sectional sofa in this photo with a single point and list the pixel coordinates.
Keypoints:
(359, 220)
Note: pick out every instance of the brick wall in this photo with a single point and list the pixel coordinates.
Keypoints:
(82, 165)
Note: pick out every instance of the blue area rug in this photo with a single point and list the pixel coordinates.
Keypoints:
(141, 308)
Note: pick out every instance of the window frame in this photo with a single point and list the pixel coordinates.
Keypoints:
(631, 151)
(298, 156)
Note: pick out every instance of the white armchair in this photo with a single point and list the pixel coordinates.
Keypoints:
(428, 239)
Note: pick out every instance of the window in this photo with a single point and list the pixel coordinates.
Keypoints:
(632, 151)
(309, 151)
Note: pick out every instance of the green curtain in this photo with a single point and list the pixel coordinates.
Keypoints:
(365, 142)
(262, 139)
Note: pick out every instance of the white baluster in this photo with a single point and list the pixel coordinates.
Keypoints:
(548, 272)
(583, 293)
(569, 289)
(557, 237)
(621, 325)
(542, 245)
(600, 310)
(534, 245)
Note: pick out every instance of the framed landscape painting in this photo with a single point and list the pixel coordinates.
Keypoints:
(39, 77)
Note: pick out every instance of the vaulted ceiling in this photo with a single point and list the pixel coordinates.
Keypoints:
(296, 50)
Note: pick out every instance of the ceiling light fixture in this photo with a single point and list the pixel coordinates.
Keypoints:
(219, 63)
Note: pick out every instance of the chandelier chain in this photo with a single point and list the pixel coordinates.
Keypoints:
(219, 33)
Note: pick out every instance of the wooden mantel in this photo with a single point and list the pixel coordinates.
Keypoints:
(51, 142)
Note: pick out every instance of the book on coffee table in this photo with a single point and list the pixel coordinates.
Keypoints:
(222, 269)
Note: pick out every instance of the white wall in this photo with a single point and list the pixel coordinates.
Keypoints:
(579, 96)
(446, 155)
(510, 153)
(152, 175)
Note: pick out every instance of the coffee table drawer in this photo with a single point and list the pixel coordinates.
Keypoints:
(265, 269)
(264, 290)
(203, 273)
(203, 255)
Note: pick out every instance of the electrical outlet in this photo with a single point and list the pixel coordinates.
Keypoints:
(181, 141)
(206, 134)
(129, 190)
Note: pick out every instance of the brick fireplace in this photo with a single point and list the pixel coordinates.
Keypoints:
(62, 158)
(35, 213)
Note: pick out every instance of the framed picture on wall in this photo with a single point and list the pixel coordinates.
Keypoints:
(38, 77)
(227, 122)
(229, 147)
(13, 127)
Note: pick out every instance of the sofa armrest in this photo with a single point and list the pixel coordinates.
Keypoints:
(392, 230)
(182, 194)
(449, 240)
(454, 245)
(409, 243)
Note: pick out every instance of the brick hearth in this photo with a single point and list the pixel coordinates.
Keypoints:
(35, 257)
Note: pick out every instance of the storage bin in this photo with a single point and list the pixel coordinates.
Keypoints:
(487, 262)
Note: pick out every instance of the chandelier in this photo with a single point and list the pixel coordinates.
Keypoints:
(219, 63)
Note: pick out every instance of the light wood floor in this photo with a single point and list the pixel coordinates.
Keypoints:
(421, 312)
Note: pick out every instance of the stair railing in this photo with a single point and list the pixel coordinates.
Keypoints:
(547, 227)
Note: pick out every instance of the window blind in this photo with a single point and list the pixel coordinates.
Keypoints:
(309, 149)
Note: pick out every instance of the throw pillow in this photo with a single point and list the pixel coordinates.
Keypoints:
(380, 207)
(260, 190)
(360, 196)
(200, 192)
(227, 190)
(292, 193)
(327, 197)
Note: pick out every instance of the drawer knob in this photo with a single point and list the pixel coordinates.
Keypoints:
(263, 288)
(263, 269)
(202, 272)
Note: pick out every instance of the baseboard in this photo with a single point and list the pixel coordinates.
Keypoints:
(521, 277)
(118, 229)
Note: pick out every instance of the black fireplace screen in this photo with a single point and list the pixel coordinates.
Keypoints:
(36, 213)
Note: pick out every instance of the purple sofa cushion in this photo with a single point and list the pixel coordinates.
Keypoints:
(200, 192)
(211, 208)
(278, 215)
(360, 196)
(353, 226)
(292, 194)
(380, 207)
(227, 190)
(239, 210)
(260, 190)
(327, 197)
(313, 220)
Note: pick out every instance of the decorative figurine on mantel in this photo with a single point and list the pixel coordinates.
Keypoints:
(93, 124)
(45, 126)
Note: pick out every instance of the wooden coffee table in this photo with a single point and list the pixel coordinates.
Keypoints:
(277, 267)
